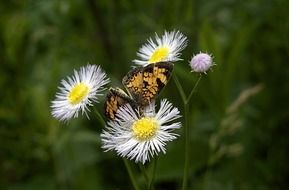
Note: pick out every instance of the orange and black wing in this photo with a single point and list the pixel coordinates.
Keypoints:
(145, 83)
(114, 100)
(155, 78)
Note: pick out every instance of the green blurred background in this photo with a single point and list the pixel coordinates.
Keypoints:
(239, 116)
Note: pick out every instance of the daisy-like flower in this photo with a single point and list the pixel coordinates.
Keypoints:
(201, 62)
(78, 92)
(140, 138)
(166, 48)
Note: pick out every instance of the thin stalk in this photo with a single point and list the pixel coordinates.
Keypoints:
(187, 148)
(100, 118)
(193, 90)
(131, 175)
(151, 182)
(187, 136)
(180, 88)
(143, 170)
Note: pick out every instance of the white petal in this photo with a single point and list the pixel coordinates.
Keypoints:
(93, 77)
(174, 40)
(119, 136)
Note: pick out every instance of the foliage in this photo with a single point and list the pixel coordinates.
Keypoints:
(239, 115)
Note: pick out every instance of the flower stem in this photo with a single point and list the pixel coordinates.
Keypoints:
(187, 148)
(193, 89)
(151, 182)
(187, 136)
(130, 173)
(100, 118)
(180, 88)
(144, 172)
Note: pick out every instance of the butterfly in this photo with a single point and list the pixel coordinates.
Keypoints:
(143, 85)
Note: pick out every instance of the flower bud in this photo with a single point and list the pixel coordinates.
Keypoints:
(201, 62)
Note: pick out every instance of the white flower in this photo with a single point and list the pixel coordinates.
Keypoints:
(201, 62)
(166, 48)
(78, 92)
(140, 138)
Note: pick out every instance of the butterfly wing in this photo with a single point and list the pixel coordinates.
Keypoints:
(155, 78)
(114, 100)
(133, 82)
(145, 83)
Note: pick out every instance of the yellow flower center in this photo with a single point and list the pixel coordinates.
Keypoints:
(145, 128)
(160, 54)
(78, 93)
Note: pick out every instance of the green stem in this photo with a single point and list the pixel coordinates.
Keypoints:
(151, 183)
(143, 170)
(131, 175)
(187, 136)
(193, 90)
(100, 118)
(187, 148)
(180, 88)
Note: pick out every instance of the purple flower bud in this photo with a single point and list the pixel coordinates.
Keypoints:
(201, 62)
